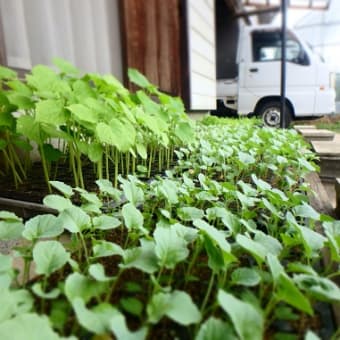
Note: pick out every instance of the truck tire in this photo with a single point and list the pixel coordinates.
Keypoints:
(270, 114)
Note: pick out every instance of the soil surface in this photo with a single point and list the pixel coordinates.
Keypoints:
(34, 187)
(7, 246)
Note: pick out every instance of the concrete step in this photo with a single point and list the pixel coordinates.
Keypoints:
(316, 134)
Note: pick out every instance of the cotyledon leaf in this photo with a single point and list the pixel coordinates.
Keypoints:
(170, 247)
(49, 256)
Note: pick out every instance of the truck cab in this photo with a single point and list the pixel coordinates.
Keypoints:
(256, 88)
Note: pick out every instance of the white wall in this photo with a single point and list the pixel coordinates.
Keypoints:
(202, 61)
(84, 32)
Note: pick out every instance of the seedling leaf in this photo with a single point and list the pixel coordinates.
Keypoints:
(78, 285)
(83, 114)
(177, 305)
(97, 271)
(106, 187)
(65, 189)
(245, 277)
(14, 303)
(28, 326)
(133, 218)
(247, 320)
(7, 73)
(122, 332)
(254, 248)
(137, 78)
(42, 226)
(305, 210)
(97, 319)
(38, 290)
(57, 202)
(170, 247)
(10, 230)
(190, 213)
(318, 287)
(215, 329)
(132, 191)
(49, 256)
(213, 233)
(103, 248)
(50, 112)
(132, 305)
(64, 66)
(105, 222)
(74, 219)
(142, 258)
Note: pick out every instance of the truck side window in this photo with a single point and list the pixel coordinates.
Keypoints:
(267, 47)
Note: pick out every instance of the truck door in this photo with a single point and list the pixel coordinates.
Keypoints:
(262, 72)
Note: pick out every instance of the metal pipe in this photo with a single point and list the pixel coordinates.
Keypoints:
(27, 205)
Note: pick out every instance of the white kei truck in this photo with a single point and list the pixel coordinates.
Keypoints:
(255, 87)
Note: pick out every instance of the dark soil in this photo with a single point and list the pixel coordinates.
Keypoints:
(34, 187)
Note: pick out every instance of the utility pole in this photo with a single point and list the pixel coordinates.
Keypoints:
(283, 63)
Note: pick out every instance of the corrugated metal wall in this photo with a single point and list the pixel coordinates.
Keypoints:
(85, 32)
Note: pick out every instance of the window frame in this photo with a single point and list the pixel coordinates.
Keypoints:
(302, 59)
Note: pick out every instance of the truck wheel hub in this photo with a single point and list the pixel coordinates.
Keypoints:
(271, 117)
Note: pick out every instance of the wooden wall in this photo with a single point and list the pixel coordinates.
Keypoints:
(173, 43)
(151, 36)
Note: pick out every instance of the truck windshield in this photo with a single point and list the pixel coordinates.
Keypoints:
(267, 47)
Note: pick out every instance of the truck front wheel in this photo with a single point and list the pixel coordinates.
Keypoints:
(270, 113)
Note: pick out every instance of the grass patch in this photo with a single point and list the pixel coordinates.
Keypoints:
(335, 126)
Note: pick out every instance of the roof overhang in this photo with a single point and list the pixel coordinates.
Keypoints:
(247, 8)
(296, 4)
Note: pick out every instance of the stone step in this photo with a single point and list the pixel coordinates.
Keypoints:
(327, 148)
(299, 127)
(329, 167)
(337, 196)
(317, 134)
(329, 156)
